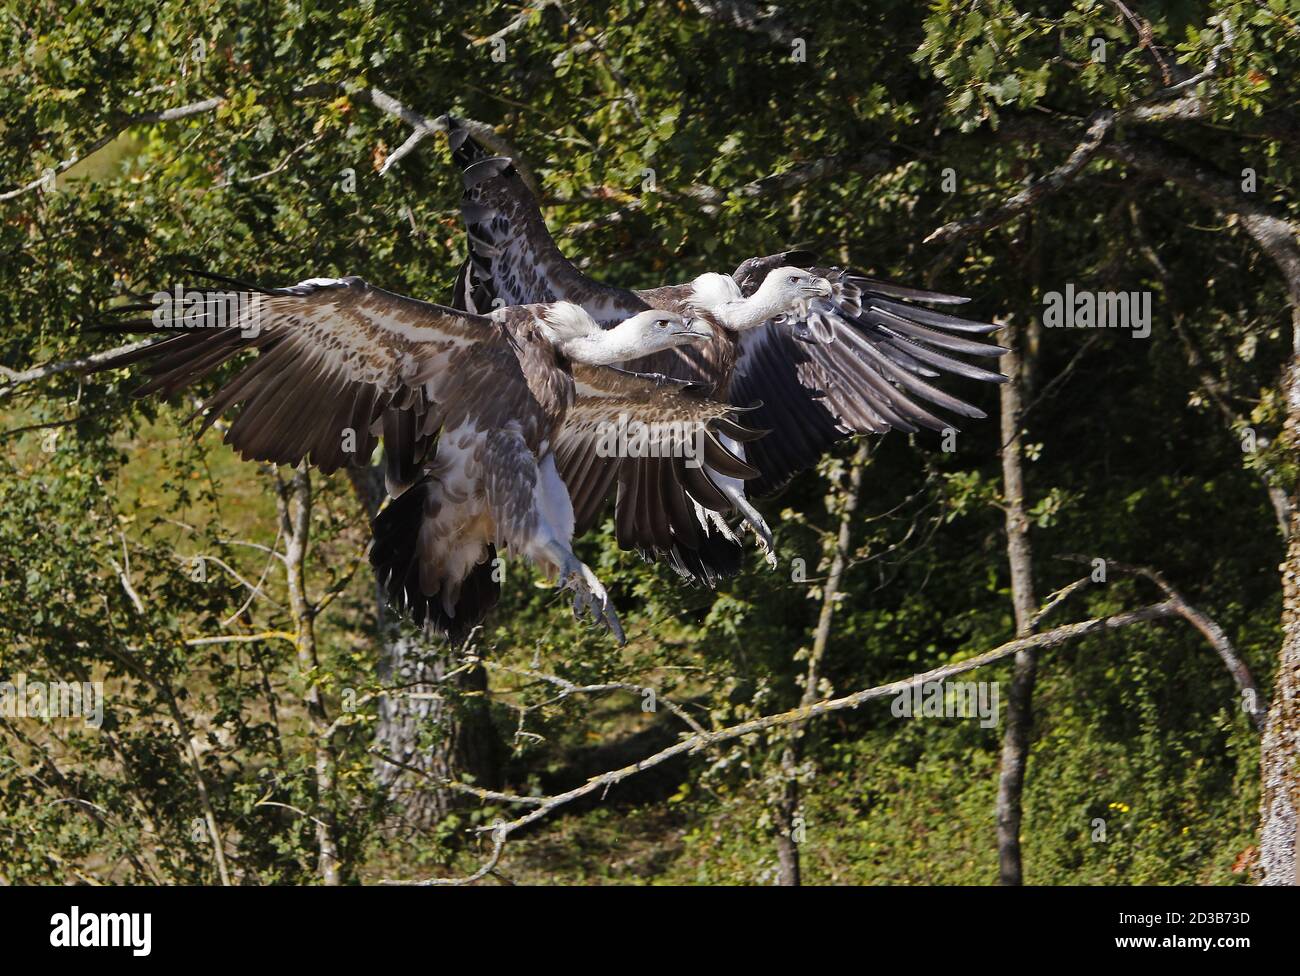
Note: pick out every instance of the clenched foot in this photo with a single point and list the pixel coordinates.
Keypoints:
(589, 595)
(766, 544)
(756, 523)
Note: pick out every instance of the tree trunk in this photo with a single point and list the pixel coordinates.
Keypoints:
(432, 733)
(787, 850)
(294, 508)
(1015, 736)
(1280, 749)
(459, 737)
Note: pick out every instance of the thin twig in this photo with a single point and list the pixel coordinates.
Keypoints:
(1204, 624)
(698, 741)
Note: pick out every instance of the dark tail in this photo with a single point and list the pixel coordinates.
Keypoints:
(396, 560)
(716, 558)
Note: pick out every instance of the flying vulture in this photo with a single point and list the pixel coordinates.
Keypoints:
(853, 356)
(473, 411)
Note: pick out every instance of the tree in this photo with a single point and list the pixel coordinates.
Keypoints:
(1037, 146)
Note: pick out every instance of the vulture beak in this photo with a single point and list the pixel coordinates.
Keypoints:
(697, 329)
(819, 288)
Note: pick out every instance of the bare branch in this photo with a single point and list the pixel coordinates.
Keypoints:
(569, 688)
(145, 118)
(375, 97)
(124, 575)
(795, 716)
(254, 590)
(1056, 599)
(1055, 181)
(258, 591)
(518, 22)
(285, 806)
(466, 788)
(16, 379)
(1180, 101)
(711, 198)
(1205, 625)
(277, 169)
(498, 845)
(693, 743)
(28, 428)
(283, 635)
(1146, 39)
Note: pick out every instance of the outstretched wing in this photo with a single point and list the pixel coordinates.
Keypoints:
(341, 363)
(859, 362)
(512, 257)
(651, 437)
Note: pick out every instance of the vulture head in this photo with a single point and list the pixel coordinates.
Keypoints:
(791, 289)
(581, 339)
(784, 291)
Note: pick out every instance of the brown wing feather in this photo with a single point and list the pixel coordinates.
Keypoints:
(339, 356)
(658, 490)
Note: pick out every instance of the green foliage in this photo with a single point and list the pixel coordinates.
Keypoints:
(1130, 457)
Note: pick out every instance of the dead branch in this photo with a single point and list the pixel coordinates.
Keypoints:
(701, 740)
(709, 199)
(14, 379)
(1204, 624)
(421, 126)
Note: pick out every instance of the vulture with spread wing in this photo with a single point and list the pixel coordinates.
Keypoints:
(473, 410)
(820, 353)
